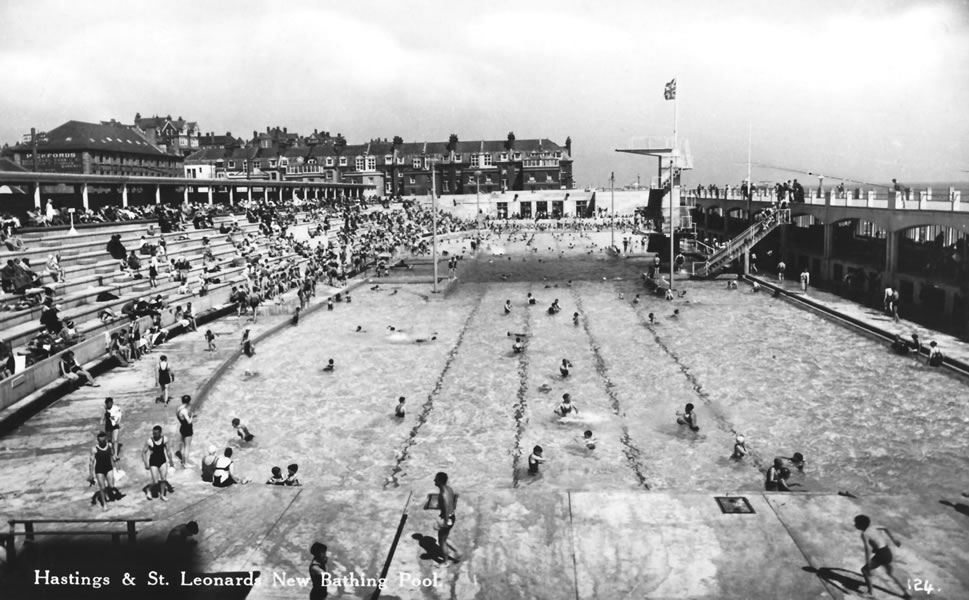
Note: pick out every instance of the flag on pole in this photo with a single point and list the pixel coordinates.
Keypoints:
(670, 92)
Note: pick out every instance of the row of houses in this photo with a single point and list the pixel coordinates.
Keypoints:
(162, 146)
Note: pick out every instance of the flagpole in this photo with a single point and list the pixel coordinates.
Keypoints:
(672, 172)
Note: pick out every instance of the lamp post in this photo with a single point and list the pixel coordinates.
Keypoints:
(477, 206)
(612, 218)
(434, 226)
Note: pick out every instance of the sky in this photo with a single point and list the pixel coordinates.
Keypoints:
(860, 90)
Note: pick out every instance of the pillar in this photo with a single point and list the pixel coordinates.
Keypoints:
(124, 195)
(84, 200)
(280, 194)
(210, 195)
(37, 196)
(892, 239)
(185, 194)
(827, 266)
(232, 195)
(157, 193)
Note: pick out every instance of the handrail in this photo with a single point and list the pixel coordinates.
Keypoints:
(737, 243)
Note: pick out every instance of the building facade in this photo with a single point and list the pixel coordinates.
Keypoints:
(174, 136)
(106, 148)
(398, 168)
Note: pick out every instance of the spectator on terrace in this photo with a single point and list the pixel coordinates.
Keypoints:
(73, 371)
(54, 268)
(116, 248)
(50, 316)
(134, 263)
(13, 244)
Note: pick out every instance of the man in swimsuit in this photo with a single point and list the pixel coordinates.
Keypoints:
(242, 430)
(688, 417)
(186, 429)
(507, 306)
(112, 424)
(567, 407)
(564, 368)
(318, 571)
(531, 299)
(225, 472)
(773, 476)
(445, 501)
(518, 347)
(575, 318)
(399, 411)
(877, 552)
(158, 458)
(535, 459)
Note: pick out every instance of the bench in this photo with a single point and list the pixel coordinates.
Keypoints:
(29, 533)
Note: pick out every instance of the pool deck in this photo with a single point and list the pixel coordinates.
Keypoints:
(513, 544)
(951, 346)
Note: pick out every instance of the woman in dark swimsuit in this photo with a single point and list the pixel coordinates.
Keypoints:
(158, 457)
(164, 377)
(101, 468)
(186, 429)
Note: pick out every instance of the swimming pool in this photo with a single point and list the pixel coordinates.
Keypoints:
(865, 419)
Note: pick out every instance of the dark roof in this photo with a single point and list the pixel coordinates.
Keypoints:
(218, 140)
(77, 135)
(206, 155)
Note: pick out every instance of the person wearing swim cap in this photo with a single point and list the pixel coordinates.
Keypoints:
(588, 440)
(739, 448)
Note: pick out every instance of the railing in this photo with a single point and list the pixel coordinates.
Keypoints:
(749, 237)
(29, 533)
(922, 199)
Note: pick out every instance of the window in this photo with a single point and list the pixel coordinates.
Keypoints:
(470, 179)
(416, 164)
(388, 188)
(388, 159)
(329, 161)
(518, 156)
(457, 158)
(412, 180)
(504, 157)
(485, 160)
(272, 163)
(488, 179)
(311, 161)
(371, 163)
(343, 161)
(549, 178)
(232, 164)
(358, 163)
(531, 178)
(447, 188)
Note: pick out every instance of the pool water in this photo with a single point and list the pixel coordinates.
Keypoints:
(865, 419)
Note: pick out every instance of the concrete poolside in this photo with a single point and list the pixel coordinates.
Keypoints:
(525, 543)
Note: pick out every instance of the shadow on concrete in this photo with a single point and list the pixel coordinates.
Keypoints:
(845, 581)
(958, 506)
(432, 551)
(80, 568)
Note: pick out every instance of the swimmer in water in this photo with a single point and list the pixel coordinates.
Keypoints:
(531, 299)
(564, 367)
(329, 366)
(669, 294)
(636, 299)
(399, 410)
(535, 459)
(652, 319)
(518, 347)
(588, 440)
(739, 448)
(507, 306)
(425, 340)
(676, 313)
(567, 407)
(755, 287)
(575, 318)
(798, 461)
(688, 417)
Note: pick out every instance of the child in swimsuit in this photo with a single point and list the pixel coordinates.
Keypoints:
(242, 430)
(535, 459)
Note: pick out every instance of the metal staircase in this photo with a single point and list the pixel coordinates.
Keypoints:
(740, 244)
